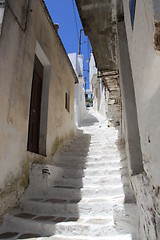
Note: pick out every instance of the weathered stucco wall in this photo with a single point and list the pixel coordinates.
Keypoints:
(79, 103)
(132, 138)
(17, 52)
(145, 64)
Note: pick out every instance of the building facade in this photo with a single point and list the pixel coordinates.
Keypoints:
(99, 90)
(36, 94)
(125, 38)
(141, 21)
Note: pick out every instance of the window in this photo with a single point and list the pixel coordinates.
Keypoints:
(132, 6)
(67, 101)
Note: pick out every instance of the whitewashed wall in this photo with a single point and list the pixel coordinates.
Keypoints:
(79, 96)
(145, 65)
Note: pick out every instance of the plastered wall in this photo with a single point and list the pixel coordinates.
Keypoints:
(145, 65)
(17, 52)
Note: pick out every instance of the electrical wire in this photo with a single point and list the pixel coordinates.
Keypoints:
(74, 10)
(88, 48)
(23, 28)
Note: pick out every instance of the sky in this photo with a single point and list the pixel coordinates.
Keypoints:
(64, 12)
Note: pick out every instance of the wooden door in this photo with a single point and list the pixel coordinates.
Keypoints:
(35, 108)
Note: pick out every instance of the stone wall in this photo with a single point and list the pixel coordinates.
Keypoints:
(148, 203)
(111, 81)
(30, 33)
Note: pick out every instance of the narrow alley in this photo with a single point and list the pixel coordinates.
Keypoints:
(83, 194)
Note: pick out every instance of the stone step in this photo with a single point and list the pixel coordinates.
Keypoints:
(107, 192)
(103, 143)
(59, 192)
(106, 137)
(90, 191)
(16, 235)
(91, 146)
(102, 172)
(50, 225)
(93, 182)
(92, 230)
(68, 182)
(108, 166)
(89, 165)
(86, 156)
(95, 137)
(49, 176)
(104, 163)
(74, 208)
(115, 237)
(25, 224)
(102, 180)
(97, 153)
(88, 159)
(50, 172)
(95, 141)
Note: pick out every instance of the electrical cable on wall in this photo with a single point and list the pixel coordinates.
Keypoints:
(23, 28)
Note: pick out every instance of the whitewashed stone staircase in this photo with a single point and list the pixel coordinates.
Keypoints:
(81, 196)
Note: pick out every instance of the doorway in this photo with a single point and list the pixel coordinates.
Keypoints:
(35, 107)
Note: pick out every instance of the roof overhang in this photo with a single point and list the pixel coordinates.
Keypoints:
(99, 18)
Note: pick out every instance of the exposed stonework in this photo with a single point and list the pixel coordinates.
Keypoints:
(111, 81)
(149, 213)
(157, 36)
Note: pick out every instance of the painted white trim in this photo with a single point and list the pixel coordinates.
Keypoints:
(41, 55)
(45, 96)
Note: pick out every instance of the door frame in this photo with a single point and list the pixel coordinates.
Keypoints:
(44, 98)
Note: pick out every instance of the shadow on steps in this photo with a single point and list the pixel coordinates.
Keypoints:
(89, 121)
(52, 197)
